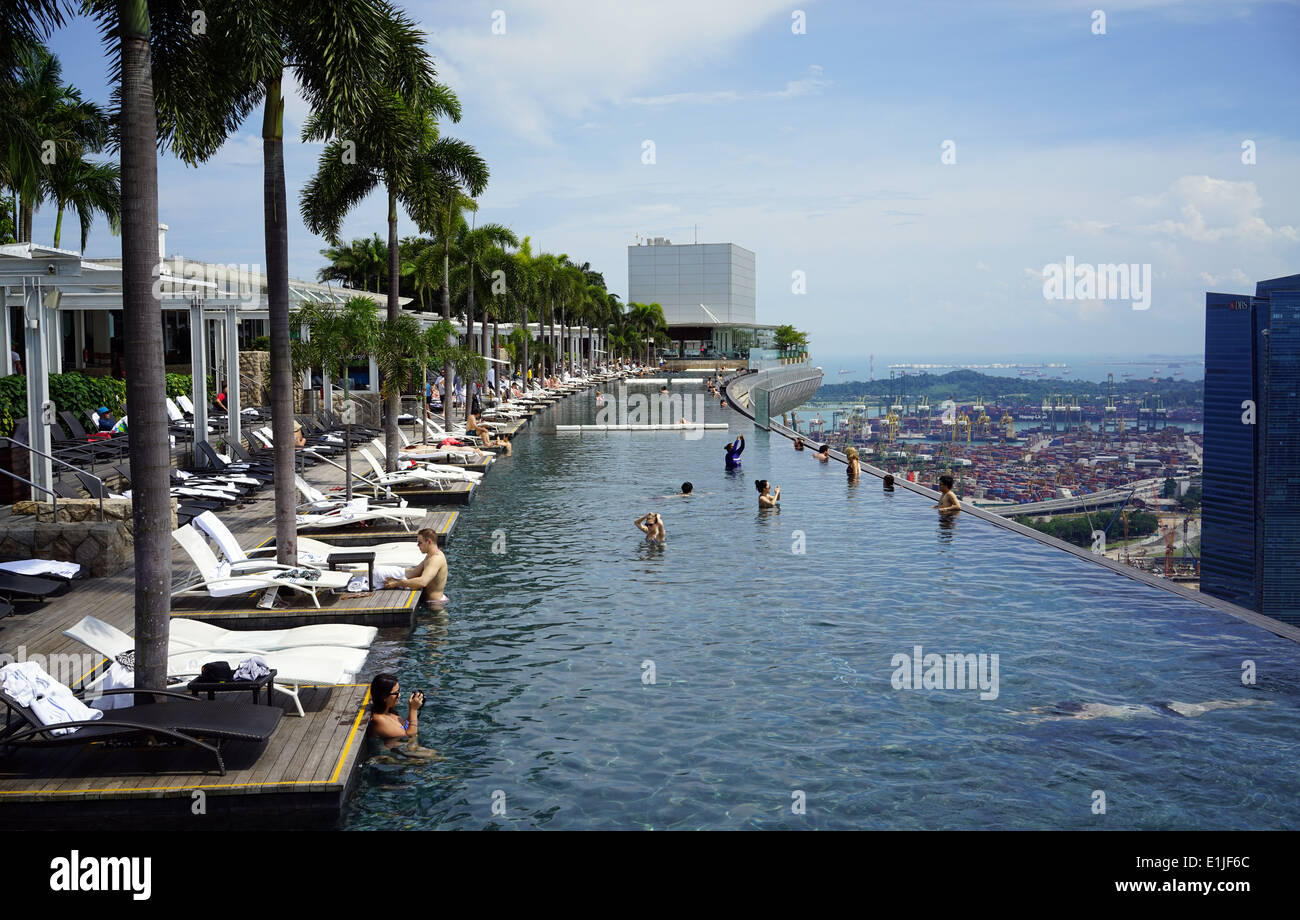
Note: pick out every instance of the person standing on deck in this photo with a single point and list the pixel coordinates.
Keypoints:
(734, 450)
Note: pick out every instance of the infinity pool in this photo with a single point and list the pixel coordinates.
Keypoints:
(773, 701)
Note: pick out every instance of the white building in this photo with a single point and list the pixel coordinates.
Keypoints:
(706, 291)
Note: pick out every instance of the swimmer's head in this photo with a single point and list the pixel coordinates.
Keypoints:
(889, 481)
(686, 488)
(823, 448)
(945, 482)
(851, 453)
(760, 485)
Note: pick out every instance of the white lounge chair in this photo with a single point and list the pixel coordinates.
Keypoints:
(358, 511)
(302, 665)
(416, 475)
(310, 552)
(216, 582)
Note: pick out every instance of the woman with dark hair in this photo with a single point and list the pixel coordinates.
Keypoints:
(767, 496)
(385, 724)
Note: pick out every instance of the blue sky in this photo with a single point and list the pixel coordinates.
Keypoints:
(822, 153)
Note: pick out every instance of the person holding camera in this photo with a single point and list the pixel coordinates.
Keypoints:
(385, 724)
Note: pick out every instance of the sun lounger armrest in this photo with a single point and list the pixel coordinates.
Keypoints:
(171, 693)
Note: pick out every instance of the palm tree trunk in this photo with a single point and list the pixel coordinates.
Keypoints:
(393, 401)
(446, 314)
(469, 328)
(58, 229)
(523, 318)
(275, 216)
(149, 448)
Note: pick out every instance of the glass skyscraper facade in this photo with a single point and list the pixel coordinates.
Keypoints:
(1250, 537)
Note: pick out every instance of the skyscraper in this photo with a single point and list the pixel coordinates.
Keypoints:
(1250, 536)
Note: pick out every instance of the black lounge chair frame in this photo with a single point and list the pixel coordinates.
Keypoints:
(125, 725)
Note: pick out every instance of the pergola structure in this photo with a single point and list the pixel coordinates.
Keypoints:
(48, 282)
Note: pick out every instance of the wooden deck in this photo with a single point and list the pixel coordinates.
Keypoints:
(300, 777)
(374, 608)
(456, 493)
(443, 522)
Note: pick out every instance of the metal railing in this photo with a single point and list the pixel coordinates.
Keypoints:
(54, 503)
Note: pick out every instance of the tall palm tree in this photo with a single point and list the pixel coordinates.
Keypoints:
(333, 49)
(479, 248)
(125, 25)
(403, 153)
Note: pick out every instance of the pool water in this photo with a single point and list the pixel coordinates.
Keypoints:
(743, 675)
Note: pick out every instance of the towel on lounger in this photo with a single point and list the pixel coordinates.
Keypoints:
(50, 701)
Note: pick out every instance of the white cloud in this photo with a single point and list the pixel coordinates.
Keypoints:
(1211, 210)
(566, 57)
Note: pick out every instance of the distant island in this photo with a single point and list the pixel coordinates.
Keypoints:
(964, 386)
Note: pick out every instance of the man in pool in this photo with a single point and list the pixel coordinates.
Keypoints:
(652, 525)
(948, 503)
(430, 576)
(734, 450)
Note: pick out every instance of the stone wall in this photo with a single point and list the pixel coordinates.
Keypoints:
(102, 548)
(254, 369)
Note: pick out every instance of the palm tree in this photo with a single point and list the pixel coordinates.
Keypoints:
(86, 188)
(479, 247)
(402, 152)
(51, 120)
(333, 49)
(125, 25)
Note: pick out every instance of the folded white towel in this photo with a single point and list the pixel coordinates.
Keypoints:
(41, 567)
(50, 701)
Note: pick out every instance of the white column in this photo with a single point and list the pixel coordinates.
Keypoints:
(7, 333)
(199, 370)
(232, 373)
(79, 337)
(36, 323)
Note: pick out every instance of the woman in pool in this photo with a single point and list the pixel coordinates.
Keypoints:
(855, 468)
(767, 496)
(652, 525)
(387, 728)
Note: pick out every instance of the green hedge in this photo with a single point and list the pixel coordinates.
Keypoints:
(73, 392)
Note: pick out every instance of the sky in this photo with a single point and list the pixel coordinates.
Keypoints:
(916, 169)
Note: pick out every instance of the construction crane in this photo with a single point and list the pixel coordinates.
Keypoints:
(891, 426)
(961, 427)
(1008, 426)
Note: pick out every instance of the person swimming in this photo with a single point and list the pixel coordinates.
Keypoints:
(767, 496)
(734, 450)
(1075, 710)
(823, 453)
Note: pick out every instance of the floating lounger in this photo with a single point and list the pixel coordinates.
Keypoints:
(710, 426)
